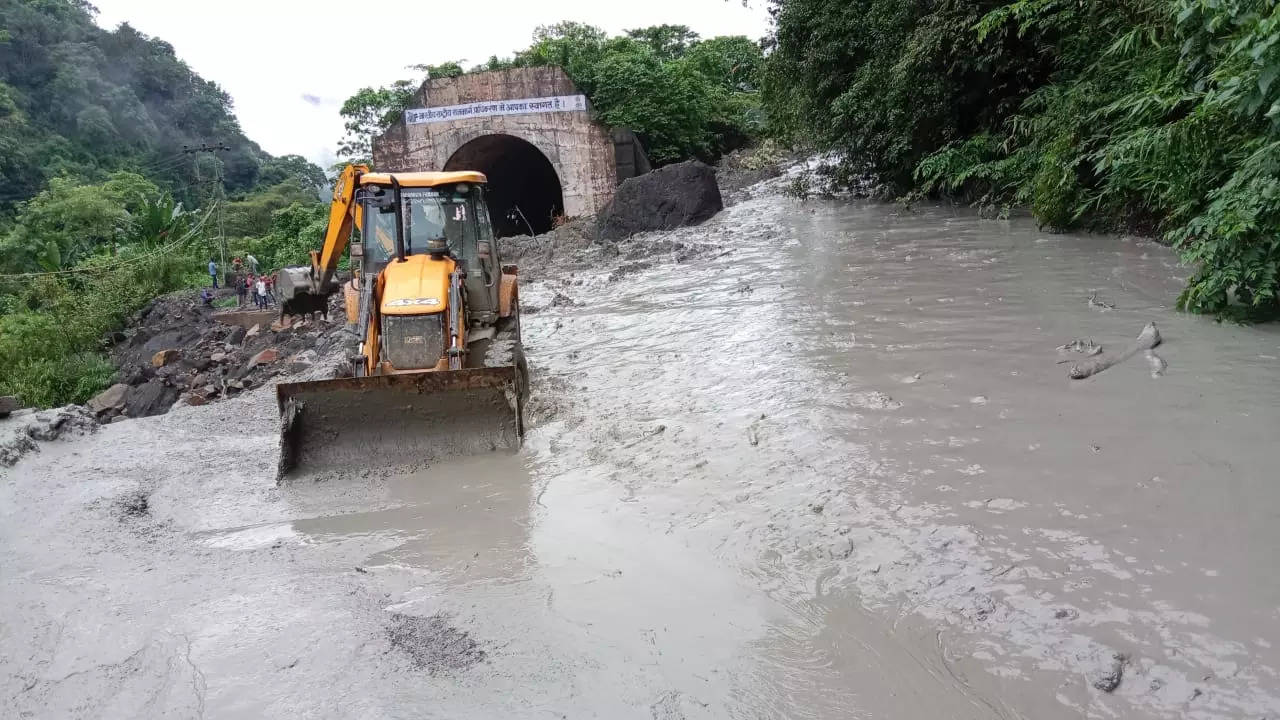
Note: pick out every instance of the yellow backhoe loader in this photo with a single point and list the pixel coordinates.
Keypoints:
(440, 369)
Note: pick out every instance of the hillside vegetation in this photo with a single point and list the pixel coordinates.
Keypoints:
(100, 207)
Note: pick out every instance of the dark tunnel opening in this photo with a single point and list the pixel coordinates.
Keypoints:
(524, 191)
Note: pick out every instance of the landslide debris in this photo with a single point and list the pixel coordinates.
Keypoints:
(670, 197)
(177, 349)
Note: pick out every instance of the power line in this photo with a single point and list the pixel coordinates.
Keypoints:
(195, 153)
(164, 249)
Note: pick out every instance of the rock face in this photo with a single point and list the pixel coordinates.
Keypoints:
(669, 197)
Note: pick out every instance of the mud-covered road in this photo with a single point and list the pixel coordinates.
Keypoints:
(832, 470)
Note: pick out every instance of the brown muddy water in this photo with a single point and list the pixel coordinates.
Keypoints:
(836, 472)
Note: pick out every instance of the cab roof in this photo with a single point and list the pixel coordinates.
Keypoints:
(423, 179)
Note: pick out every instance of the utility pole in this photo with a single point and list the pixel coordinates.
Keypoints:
(219, 190)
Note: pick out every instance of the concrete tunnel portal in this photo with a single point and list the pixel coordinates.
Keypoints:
(545, 152)
(524, 191)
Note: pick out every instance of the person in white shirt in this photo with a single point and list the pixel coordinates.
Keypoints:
(260, 294)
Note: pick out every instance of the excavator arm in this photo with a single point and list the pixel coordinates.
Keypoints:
(307, 289)
(344, 213)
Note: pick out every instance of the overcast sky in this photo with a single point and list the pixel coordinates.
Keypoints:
(289, 64)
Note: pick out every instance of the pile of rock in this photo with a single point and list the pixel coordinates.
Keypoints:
(670, 197)
(177, 350)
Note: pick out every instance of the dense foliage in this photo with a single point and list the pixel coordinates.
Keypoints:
(1161, 116)
(100, 208)
(682, 95)
(114, 245)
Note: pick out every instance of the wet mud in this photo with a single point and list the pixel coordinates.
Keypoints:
(832, 470)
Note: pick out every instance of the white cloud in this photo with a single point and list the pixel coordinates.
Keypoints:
(289, 64)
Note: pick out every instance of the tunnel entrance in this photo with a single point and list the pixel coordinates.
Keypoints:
(524, 191)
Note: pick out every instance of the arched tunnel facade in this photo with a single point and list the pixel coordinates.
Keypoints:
(524, 191)
(529, 130)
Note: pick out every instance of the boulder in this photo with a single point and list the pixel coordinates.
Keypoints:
(110, 399)
(195, 400)
(164, 357)
(151, 398)
(673, 196)
(253, 332)
(280, 324)
(269, 355)
(218, 356)
(8, 403)
(236, 336)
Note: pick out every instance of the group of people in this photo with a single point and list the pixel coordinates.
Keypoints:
(261, 287)
(248, 282)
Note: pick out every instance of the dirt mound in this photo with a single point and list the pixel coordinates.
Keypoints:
(176, 349)
(670, 197)
(567, 246)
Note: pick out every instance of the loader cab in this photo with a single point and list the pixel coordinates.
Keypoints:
(437, 212)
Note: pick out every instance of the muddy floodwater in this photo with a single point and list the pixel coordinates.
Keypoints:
(831, 469)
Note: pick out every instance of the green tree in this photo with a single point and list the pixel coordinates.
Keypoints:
(70, 221)
(252, 216)
(295, 231)
(368, 113)
(668, 42)
(291, 167)
(450, 69)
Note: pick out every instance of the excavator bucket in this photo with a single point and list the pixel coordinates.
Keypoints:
(403, 421)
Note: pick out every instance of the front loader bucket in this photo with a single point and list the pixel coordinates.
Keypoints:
(341, 427)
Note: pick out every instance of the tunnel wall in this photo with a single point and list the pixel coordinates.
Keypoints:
(581, 151)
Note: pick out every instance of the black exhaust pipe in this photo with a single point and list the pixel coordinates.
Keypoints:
(395, 190)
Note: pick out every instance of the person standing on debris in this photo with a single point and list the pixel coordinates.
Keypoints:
(242, 289)
(213, 272)
(271, 288)
(252, 262)
(262, 293)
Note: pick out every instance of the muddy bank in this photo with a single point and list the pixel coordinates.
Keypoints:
(829, 468)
